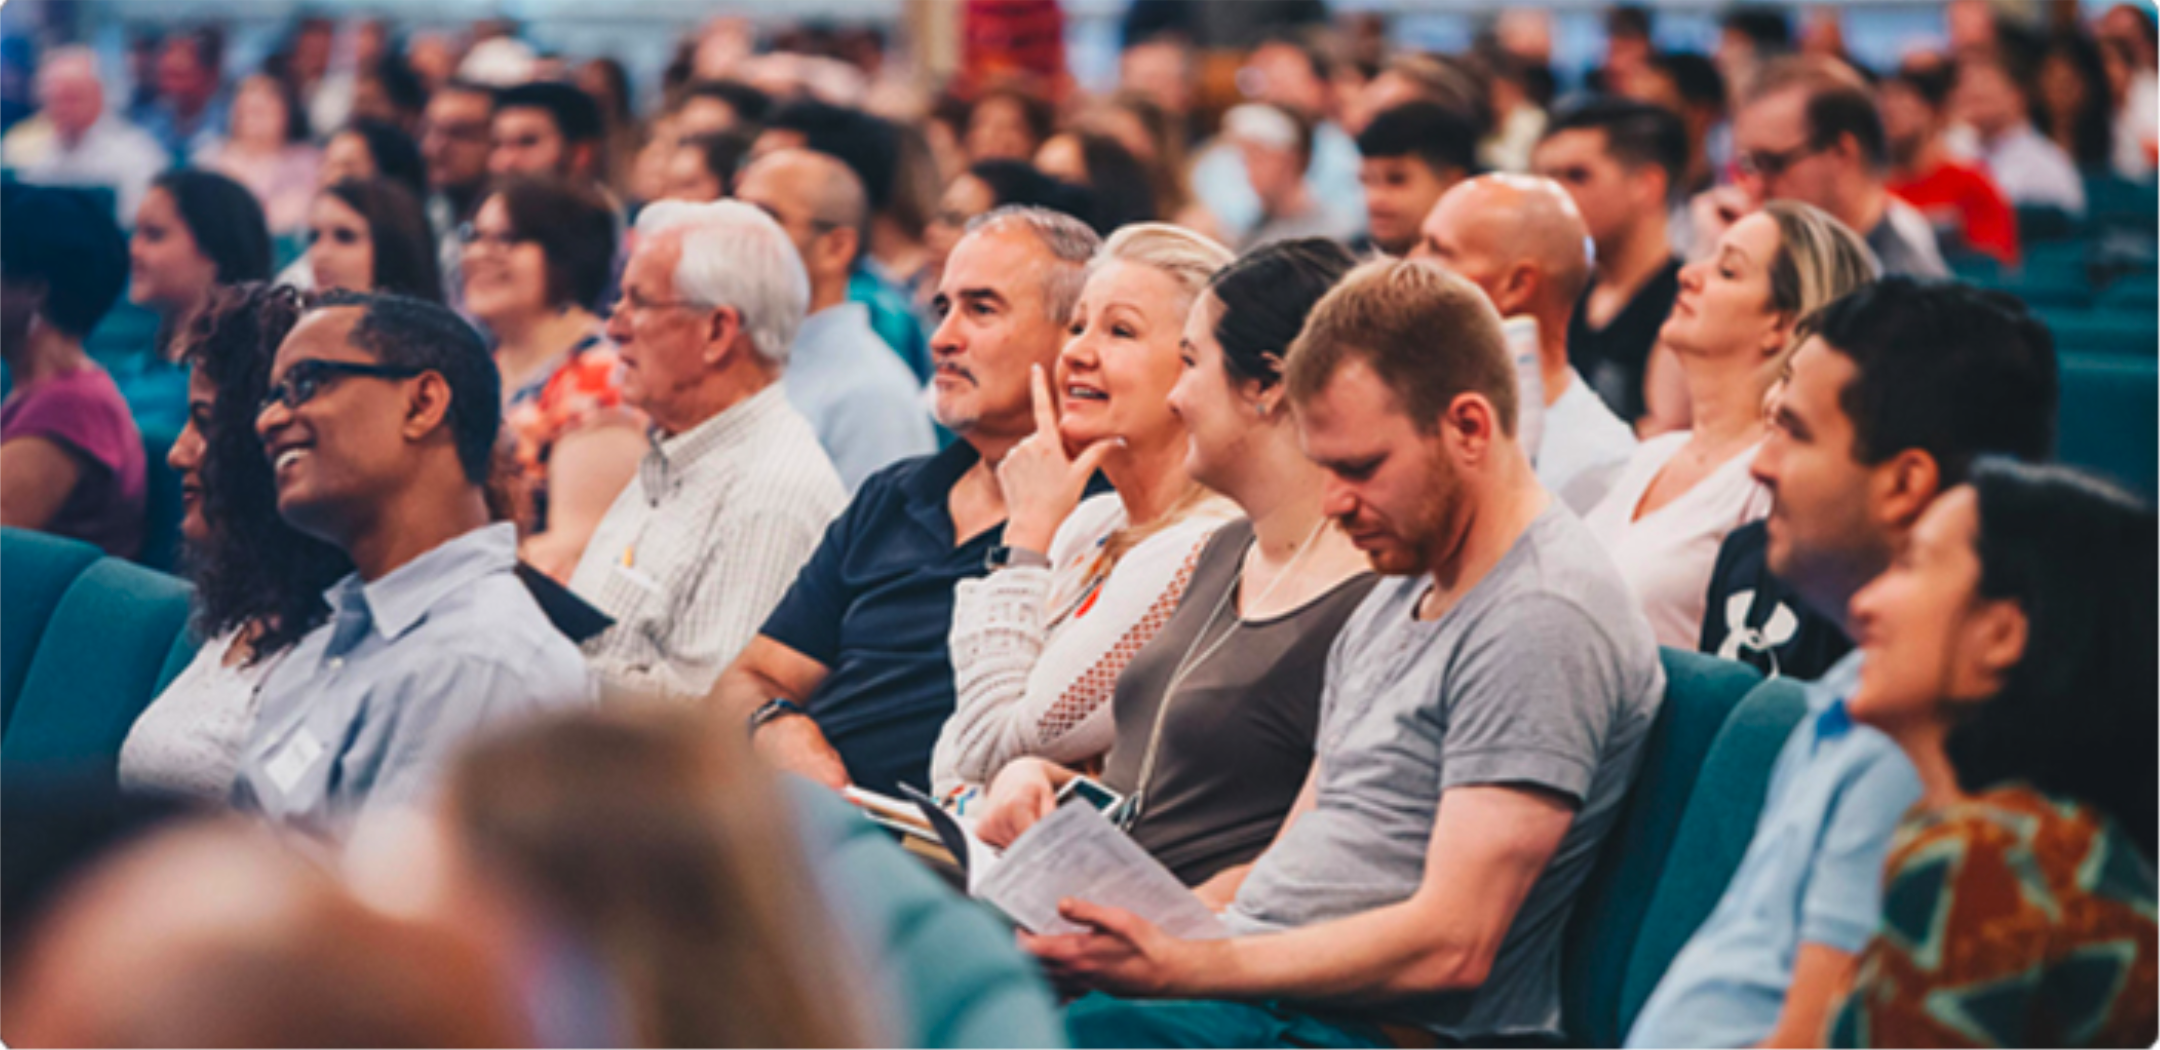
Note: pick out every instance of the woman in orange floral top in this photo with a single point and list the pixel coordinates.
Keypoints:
(2009, 653)
(537, 257)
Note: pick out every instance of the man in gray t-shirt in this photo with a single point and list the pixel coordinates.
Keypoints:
(1484, 712)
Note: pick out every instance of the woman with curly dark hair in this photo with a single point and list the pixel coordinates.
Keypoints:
(258, 582)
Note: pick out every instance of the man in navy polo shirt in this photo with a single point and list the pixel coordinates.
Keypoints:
(849, 680)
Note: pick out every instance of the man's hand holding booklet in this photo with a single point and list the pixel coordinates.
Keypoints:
(1075, 852)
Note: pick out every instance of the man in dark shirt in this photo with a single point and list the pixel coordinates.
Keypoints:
(1619, 160)
(1899, 387)
(849, 680)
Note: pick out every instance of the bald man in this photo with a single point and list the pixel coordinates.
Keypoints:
(1521, 239)
(862, 400)
(73, 141)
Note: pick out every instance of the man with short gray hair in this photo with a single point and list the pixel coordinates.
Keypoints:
(850, 680)
(735, 492)
(75, 141)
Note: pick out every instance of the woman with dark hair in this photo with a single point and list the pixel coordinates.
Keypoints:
(196, 230)
(1214, 719)
(1111, 174)
(2072, 105)
(649, 845)
(1008, 123)
(368, 149)
(71, 459)
(537, 257)
(267, 150)
(989, 185)
(258, 582)
(2009, 655)
(371, 235)
(608, 83)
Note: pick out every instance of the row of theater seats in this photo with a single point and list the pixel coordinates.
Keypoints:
(88, 641)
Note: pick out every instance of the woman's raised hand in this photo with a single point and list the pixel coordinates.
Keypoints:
(1042, 484)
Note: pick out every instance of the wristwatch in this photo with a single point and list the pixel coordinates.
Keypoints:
(777, 707)
(1001, 557)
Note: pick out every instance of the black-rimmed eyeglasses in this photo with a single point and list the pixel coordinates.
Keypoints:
(305, 379)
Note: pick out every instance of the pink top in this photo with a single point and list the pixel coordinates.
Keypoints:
(82, 411)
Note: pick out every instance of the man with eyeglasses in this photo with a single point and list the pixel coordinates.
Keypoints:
(866, 407)
(380, 426)
(735, 492)
(1808, 130)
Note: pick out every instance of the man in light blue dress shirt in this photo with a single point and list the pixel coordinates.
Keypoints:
(866, 407)
(1893, 392)
(380, 425)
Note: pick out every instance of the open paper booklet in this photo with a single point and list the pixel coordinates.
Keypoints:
(1074, 852)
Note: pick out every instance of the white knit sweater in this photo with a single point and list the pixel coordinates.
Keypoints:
(1036, 652)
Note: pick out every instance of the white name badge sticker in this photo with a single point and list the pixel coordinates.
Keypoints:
(293, 760)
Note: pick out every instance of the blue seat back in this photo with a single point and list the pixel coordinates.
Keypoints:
(1713, 835)
(2109, 416)
(1700, 692)
(99, 664)
(162, 510)
(35, 570)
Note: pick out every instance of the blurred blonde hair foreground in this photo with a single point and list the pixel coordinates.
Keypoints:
(215, 933)
(652, 835)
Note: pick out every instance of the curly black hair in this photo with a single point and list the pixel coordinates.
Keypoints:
(254, 572)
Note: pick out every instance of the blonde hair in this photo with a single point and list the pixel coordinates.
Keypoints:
(1818, 261)
(1190, 259)
(652, 834)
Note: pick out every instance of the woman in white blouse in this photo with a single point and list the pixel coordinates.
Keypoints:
(258, 583)
(1085, 582)
(1732, 329)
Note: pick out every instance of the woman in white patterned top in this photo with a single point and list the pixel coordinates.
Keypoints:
(258, 583)
(1083, 583)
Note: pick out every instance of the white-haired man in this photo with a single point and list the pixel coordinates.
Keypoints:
(736, 491)
(74, 142)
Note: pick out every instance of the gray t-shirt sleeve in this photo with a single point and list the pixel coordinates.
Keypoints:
(1531, 698)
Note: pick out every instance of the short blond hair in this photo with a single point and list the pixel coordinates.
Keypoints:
(1190, 259)
(1430, 336)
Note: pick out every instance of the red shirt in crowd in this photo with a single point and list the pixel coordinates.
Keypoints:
(1962, 199)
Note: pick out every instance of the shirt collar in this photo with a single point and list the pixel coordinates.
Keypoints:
(927, 490)
(403, 597)
(1827, 695)
(830, 326)
(672, 458)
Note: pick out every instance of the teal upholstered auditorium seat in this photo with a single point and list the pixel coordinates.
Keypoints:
(1713, 835)
(2109, 417)
(105, 649)
(1700, 691)
(162, 510)
(2102, 331)
(35, 570)
(954, 974)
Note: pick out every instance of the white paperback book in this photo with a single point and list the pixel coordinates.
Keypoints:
(1075, 852)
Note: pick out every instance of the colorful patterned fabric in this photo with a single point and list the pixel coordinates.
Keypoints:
(2008, 920)
(583, 388)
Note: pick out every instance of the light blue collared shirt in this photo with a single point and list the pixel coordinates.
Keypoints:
(1813, 872)
(369, 708)
(861, 399)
